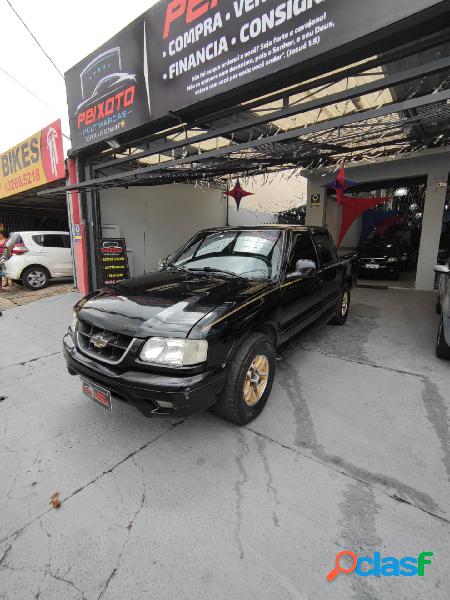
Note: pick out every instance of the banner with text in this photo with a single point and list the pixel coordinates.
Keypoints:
(33, 163)
(181, 52)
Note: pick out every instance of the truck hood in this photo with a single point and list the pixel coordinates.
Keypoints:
(164, 303)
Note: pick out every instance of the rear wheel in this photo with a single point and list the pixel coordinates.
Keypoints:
(342, 308)
(250, 378)
(35, 278)
(442, 348)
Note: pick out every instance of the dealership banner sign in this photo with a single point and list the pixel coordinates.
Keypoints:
(34, 162)
(181, 52)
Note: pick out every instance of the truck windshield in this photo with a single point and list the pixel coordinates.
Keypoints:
(251, 254)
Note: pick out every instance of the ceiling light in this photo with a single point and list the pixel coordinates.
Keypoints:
(401, 192)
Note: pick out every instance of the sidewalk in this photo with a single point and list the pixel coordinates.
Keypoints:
(20, 295)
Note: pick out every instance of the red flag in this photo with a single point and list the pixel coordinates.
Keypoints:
(352, 208)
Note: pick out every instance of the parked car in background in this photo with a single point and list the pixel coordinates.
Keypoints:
(35, 257)
(444, 245)
(380, 256)
(443, 308)
(203, 332)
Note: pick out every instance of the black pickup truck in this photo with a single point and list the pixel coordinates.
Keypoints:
(203, 331)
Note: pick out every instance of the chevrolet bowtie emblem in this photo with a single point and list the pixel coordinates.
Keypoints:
(101, 340)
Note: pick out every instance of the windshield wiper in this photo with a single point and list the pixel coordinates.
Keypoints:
(177, 268)
(214, 270)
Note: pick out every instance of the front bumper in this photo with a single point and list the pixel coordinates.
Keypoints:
(179, 396)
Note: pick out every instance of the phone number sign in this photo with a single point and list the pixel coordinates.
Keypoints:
(34, 162)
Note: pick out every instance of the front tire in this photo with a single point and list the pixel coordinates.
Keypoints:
(442, 348)
(343, 307)
(250, 377)
(35, 278)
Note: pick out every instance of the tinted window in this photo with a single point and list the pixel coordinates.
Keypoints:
(325, 249)
(50, 240)
(303, 249)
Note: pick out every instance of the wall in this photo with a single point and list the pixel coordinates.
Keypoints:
(248, 217)
(274, 192)
(432, 223)
(317, 215)
(156, 221)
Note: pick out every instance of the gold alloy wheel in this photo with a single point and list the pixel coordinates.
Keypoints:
(256, 380)
(344, 306)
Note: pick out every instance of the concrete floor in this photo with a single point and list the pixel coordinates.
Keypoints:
(407, 280)
(352, 452)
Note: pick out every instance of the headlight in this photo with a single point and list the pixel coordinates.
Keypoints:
(392, 259)
(174, 353)
(74, 322)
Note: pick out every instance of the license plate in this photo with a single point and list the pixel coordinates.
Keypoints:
(372, 266)
(97, 393)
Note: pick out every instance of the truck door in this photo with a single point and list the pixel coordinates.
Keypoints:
(300, 296)
(328, 267)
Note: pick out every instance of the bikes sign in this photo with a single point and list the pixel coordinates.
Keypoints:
(32, 163)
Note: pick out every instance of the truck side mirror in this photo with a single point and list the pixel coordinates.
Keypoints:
(163, 262)
(303, 268)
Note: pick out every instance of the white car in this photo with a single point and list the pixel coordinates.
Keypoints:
(34, 257)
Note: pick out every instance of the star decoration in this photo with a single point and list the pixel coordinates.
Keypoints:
(238, 193)
(341, 184)
(352, 208)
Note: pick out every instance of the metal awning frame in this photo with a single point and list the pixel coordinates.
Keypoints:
(247, 131)
(120, 178)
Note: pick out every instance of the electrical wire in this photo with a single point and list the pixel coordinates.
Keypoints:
(33, 36)
(32, 94)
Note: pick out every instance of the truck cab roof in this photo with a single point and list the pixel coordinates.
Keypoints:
(281, 227)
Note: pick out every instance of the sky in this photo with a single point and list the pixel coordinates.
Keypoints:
(68, 31)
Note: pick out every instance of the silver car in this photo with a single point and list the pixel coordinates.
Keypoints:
(443, 308)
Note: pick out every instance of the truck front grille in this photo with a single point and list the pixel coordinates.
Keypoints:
(107, 346)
